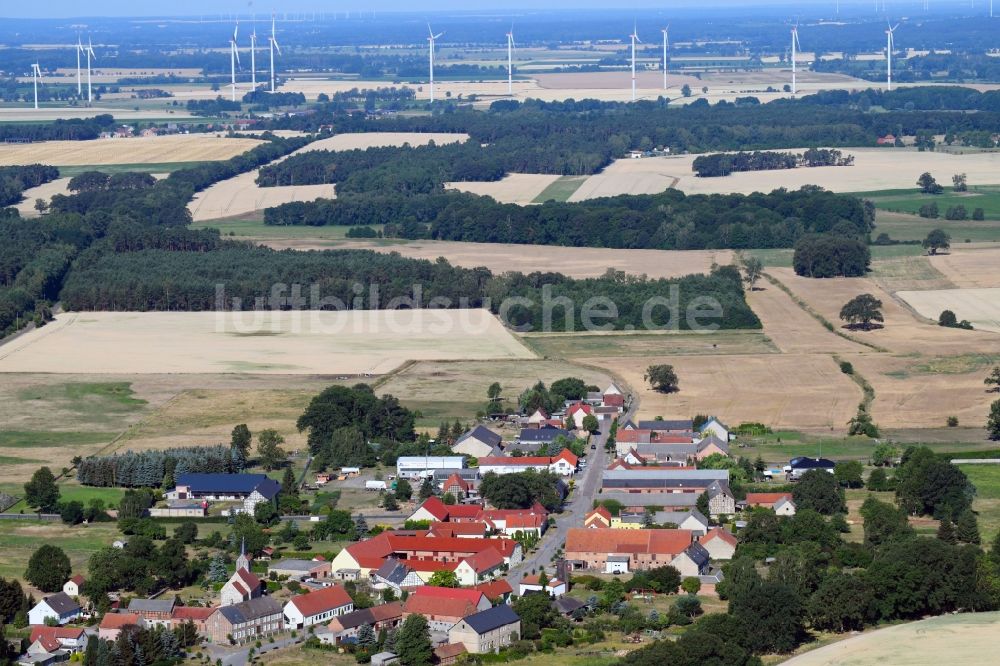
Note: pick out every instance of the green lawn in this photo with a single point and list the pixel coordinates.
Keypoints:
(28, 439)
(561, 189)
(21, 538)
(910, 200)
(986, 479)
(432, 412)
(144, 167)
(87, 397)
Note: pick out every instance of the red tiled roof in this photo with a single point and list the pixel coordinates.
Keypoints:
(578, 407)
(48, 643)
(78, 579)
(435, 507)
(449, 650)
(766, 499)
(661, 542)
(251, 580)
(601, 511)
(528, 520)
(568, 456)
(430, 565)
(193, 613)
(119, 620)
(534, 580)
(718, 533)
(321, 601)
(55, 633)
(456, 480)
(455, 529)
(470, 595)
(429, 605)
(495, 589)
(484, 561)
(613, 400)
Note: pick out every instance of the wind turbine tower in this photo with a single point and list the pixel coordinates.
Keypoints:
(795, 49)
(90, 54)
(666, 45)
(635, 38)
(510, 61)
(36, 74)
(253, 57)
(234, 59)
(274, 45)
(79, 75)
(431, 39)
(890, 43)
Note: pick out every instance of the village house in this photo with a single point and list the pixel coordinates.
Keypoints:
(458, 487)
(153, 611)
(300, 569)
(664, 501)
(478, 567)
(444, 606)
(59, 607)
(498, 591)
(448, 653)
(49, 640)
(73, 586)
(674, 426)
(623, 551)
(250, 489)
(487, 631)
(686, 520)
(781, 503)
(599, 518)
(577, 412)
(715, 427)
(433, 509)
(563, 464)
(693, 561)
(245, 621)
(721, 501)
(798, 466)
(395, 575)
(476, 530)
(478, 443)
(386, 616)
(112, 623)
(318, 606)
(196, 615)
(720, 544)
(545, 434)
(553, 587)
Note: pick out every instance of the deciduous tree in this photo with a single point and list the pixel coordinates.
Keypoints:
(269, 450)
(41, 492)
(662, 378)
(861, 311)
(48, 568)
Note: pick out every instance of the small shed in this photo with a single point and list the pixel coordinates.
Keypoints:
(385, 658)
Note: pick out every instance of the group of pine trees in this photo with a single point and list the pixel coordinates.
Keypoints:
(156, 468)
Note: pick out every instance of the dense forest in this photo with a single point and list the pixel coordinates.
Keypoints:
(14, 180)
(74, 129)
(723, 164)
(667, 221)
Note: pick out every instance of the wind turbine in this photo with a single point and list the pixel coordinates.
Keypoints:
(79, 75)
(36, 74)
(510, 61)
(274, 45)
(234, 58)
(90, 54)
(795, 47)
(430, 40)
(253, 57)
(890, 43)
(666, 45)
(635, 38)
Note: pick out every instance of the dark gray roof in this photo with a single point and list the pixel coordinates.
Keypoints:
(712, 439)
(483, 434)
(698, 554)
(296, 565)
(151, 605)
(248, 611)
(813, 463)
(541, 434)
(393, 571)
(677, 424)
(468, 474)
(525, 447)
(718, 487)
(678, 517)
(695, 482)
(230, 483)
(567, 605)
(62, 603)
(492, 618)
(652, 499)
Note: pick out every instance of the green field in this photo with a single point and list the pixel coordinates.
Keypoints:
(782, 257)
(255, 228)
(21, 538)
(910, 200)
(560, 190)
(986, 504)
(144, 167)
(645, 344)
(28, 439)
(96, 398)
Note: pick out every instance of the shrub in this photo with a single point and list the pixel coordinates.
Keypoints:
(846, 368)
(952, 421)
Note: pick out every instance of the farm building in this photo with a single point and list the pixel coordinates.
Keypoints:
(478, 443)
(250, 489)
(417, 467)
(305, 610)
(443, 606)
(487, 631)
(621, 551)
(386, 616)
(59, 607)
(300, 569)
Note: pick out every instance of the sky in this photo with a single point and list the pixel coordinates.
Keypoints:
(72, 8)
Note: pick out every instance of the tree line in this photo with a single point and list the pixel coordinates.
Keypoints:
(149, 469)
(14, 180)
(73, 129)
(723, 164)
(671, 220)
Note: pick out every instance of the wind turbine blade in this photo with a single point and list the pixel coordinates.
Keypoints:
(440, 34)
(276, 47)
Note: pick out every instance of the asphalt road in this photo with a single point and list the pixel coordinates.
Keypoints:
(579, 503)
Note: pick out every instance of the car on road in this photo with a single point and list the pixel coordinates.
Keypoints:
(593, 447)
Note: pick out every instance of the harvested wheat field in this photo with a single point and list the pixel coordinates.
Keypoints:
(15, 114)
(257, 342)
(797, 391)
(642, 176)
(915, 391)
(45, 191)
(364, 140)
(240, 195)
(514, 188)
(137, 150)
(578, 262)
(965, 638)
(981, 307)
(970, 267)
(903, 332)
(792, 329)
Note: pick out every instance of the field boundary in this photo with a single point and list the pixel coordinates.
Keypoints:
(818, 317)
(867, 390)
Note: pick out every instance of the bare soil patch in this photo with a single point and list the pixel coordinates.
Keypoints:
(297, 342)
(154, 150)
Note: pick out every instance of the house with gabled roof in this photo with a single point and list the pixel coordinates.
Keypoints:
(444, 606)
(250, 489)
(715, 427)
(395, 575)
(478, 442)
(627, 550)
(458, 487)
(154, 611)
(692, 561)
(577, 412)
(318, 606)
(112, 624)
(721, 500)
(434, 510)
(471, 530)
(552, 587)
(478, 567)
(48, 640)
(563, 464)
(711, 445)
(245, 621)
(59, 607)
(383, 617)
(599, 518)
(73, 586)
(675, 425)
(497, 591)
(537, 418)
(490, 630)
(543, 435)
(720, 544)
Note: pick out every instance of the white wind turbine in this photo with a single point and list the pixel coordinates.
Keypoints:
(234, 58)
(510, 61)
(36, 73)
(253, 57)
(431, 39)
(635, 38)
(795, 48)
(666, 45)
(890, 43)
(90, 54)
(79, 75)
(274, 45)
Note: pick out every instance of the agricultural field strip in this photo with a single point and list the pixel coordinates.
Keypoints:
(171, 148)
(979, 306)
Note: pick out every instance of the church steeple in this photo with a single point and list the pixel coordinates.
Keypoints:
(243, 561)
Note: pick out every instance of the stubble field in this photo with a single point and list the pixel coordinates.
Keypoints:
(158, 149)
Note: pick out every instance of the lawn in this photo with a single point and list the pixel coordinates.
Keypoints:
(87, 397)
(254, 227)
(986, 479)
(21, 538)
(27, 439)
(561, 189)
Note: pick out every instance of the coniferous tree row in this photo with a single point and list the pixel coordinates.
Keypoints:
(147, 468)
